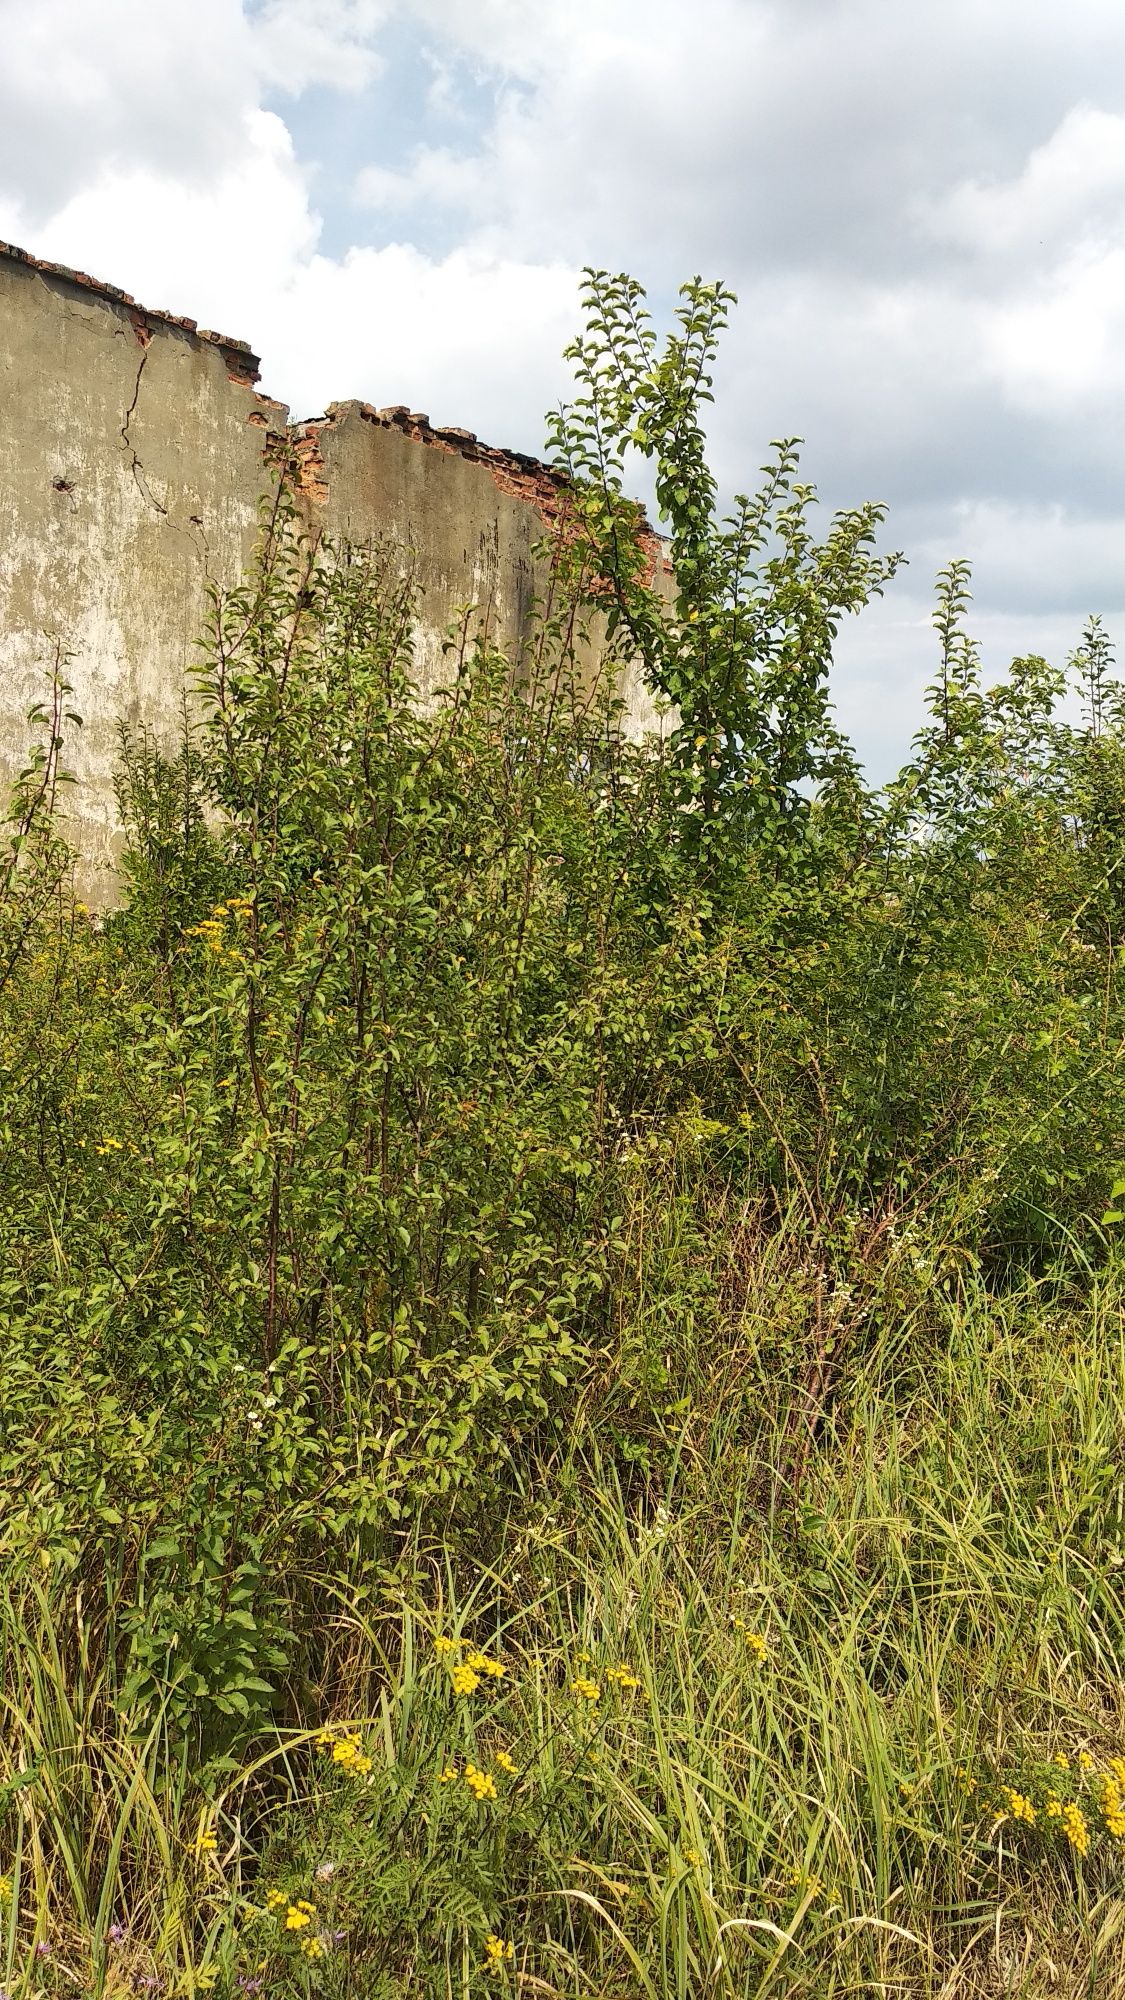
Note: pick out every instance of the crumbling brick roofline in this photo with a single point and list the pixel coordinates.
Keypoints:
(513, 472)
(242, 363)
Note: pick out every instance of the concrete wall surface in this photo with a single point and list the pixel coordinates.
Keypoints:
(133, 455)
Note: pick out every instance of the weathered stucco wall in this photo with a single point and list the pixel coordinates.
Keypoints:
(132, 460)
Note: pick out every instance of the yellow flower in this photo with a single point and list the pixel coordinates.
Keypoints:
(504, 1762)
(757, 1647)
(1085, 1761)
(1113, 1806)
(447, 1776)
(1019, 1805)
(298, 1915)
(623, 1677)
(692, 1856)
(275, 1900)
(586, 1690)
(465, 1681)
(1053, 1806)
(1062, 1760)
(312, 1947)
(206, 1843)
(360, 1765)
(1075, 1827)
(809, 1885)
(481, 1783)
(5, 1888)
(347, 1752)
(444, 1645)
(482, 1664)
(499, 1950)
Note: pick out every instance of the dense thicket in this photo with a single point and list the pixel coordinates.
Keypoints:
(462, 1086)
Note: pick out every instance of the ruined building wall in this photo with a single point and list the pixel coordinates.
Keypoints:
(132, 460)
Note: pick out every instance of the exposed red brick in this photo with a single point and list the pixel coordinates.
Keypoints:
(308, 468)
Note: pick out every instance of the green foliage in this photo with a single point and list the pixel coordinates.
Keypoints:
(743, 645)
(611, 1189)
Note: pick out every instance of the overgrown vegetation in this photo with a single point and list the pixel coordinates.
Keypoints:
(564, 1390)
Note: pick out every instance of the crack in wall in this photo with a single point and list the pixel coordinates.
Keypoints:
(135, 467)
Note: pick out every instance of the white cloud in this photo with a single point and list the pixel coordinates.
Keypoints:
(471, 337)
(215, 248)
(301, 42)
(1070, 191)
(922, 207)
(121, 83)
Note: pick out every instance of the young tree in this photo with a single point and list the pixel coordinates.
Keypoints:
(741, 644)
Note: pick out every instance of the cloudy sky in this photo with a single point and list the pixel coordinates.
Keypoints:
(921, 207)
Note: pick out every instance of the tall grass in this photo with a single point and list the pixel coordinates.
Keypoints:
(803, 1794)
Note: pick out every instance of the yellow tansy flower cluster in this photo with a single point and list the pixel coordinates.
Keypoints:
(809, 1885)
(483, 1663)
(1019, 1805)
(346, 1751)
(482, 1784)
(211, 928)
(466, 1674)
(211, 932)
(1099, 1807)
(499, 1951)
(755, 1644)
(622, 1676)
(585, 1689)
(1075, 1827)
(296, 1915)
(1112, 1799)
